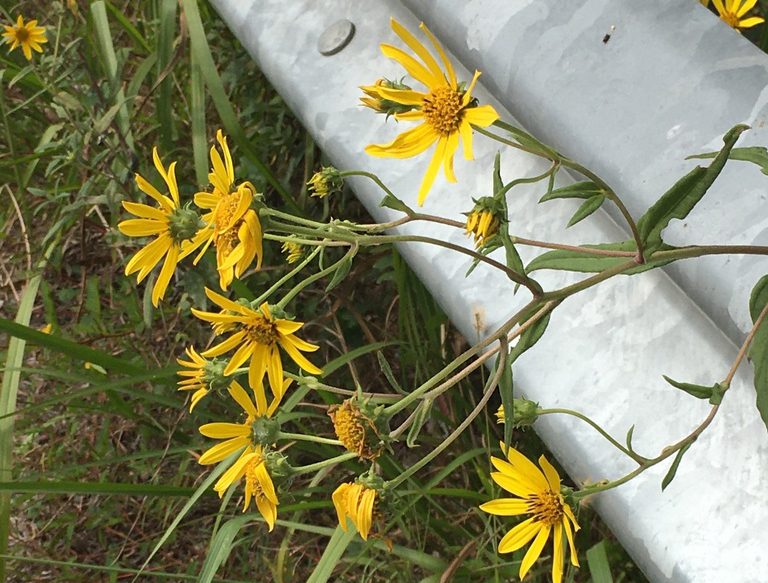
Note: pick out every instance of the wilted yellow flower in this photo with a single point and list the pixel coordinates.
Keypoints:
(293, 251)
(356, 428)
(447, 110)
(733, 10)
(539, 495)
(251, 463)
(256, 336)
(174, 227)
(358, 503)
(231, 225)
(29, 36)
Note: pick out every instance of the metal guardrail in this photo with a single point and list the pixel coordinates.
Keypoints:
(651, 89)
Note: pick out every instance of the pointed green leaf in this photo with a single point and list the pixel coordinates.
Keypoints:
(673, 468)
(698, 391)
(679, 200)
(394, 203)
(755, 154)
(583, 190)
(422, 414)
(758, 350)
(588, 207)
(599, 567)
(507, 393)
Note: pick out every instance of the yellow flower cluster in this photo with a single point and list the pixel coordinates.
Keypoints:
(231, 224)
(28, 36)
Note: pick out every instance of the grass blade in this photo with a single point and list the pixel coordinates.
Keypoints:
(332, 554)
(199, 46)
(8, 392)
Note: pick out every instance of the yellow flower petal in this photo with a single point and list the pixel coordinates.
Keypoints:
(222, 450)
(505, 507)
(420, 50)
(534, 551)
(519, 536)
(434, 166)
(225, 430)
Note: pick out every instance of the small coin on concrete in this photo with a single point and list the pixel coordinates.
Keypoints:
(335, 37)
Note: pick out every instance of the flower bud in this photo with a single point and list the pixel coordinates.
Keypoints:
(325, 182)
(524, 413)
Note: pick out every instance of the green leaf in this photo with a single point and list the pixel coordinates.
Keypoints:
(221, 545)
(203, 488)
(72, 349)
(388, 374)
(583, 190)
(565, 260)
(67, 487)
(506, 391)
(628, 438)
(8, 393)
(673, 468)
(758, 350)
(698, 391)
(230, 120)
(588, 207)
(599, 567)
(422, 414)
(332, 554)
(342, 360)
(679, 200)
(530, 337)
(513, 260)
(343, 269)
(755, 154)
(392, 202)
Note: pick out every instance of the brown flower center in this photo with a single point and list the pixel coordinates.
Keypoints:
(261, 330)
(546, 507)
(22, 34)
(442, 110)
(351, 427)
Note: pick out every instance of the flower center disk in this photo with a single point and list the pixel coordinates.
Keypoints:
(225, 211)
(261, 331)
(547, 507)
(442, 110)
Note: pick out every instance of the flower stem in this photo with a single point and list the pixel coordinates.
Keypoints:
(319, 275)
(322, 464)
(303, 437)
(490, 388)
(280, 282)
(637, 457)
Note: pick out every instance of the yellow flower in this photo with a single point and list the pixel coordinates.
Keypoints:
(202, 377)
(29, 36)
(174, 227)
(374, 101)
(446, 109)
(251, 463)
(325, 182)
(483, 225)
(356, 502)
(257, 335)
(732, 11)
(293, 251)
(231, 225)
(537, 494)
